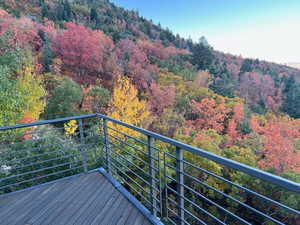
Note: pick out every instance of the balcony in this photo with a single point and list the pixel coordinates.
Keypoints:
(98, 170)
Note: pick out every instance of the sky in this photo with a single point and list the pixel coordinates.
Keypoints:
(264, 29)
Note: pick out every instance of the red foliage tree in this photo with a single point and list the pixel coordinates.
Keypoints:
(234, 70)
(235, 121)
(82, 49)
(255, 87)
(24, 31)
(135, 64)
(210, 115)
(160, 98)
(280, 152)
(27, 118)
(158, 50)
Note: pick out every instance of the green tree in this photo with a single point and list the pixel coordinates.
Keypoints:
(31, 88)
(101, 98)
(94, 15)
(291, 104)
(65, 100)
(202, 56)
(12, 102)
(48, 55)
(67, 11)
(45, 11)
(223, 85)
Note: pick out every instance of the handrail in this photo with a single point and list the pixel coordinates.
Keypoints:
(162, 192)
(44, 122)
(273, 179)
(276, 180)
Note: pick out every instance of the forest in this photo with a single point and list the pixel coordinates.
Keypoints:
(62, 58)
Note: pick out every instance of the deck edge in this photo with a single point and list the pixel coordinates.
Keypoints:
(131, 198)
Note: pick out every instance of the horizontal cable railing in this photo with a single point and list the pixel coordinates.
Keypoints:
(35, 153)
(177, 182)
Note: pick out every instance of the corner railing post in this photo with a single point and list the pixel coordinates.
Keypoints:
(83, 151)
(180, 188)
(152, 175)
(107, 147)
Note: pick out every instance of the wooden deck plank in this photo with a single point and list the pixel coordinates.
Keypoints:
(115, 197)
(40, 202)
(71, 206)
(117, 214)
(89, 204)
(112, 211)
(46, 213)
(132, 217)
(9, 216)
(97, 206)
(88, 199)
(125, 216)
(55, 196)
(146, 221)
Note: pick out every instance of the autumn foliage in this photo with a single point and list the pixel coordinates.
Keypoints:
(82, 49)
(209, 115)
(161, 98)
(280, 150)
(127, 107)
(60, 64)
(24, 31)
(135, 64)
(145, 76)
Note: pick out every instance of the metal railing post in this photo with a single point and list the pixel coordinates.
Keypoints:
(165, 194)
(180, 188)
(107, 147)
(152, 175)
(83, 152)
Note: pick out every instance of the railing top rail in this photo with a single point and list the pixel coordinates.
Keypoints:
(44, 122)
(273, 179)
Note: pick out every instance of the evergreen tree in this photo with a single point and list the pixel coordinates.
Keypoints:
(291, 104)
(223, 85)
(246, 65)
(67, 11)
(41, 2)
(47, 56)
(45, 11)
(202, 56)
(94, 15)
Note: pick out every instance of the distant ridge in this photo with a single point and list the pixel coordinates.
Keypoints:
(293, 64)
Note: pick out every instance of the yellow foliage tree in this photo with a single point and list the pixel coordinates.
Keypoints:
(70, 127)
(169, 79)
(31, 88)
(127, 107)
(203, 79)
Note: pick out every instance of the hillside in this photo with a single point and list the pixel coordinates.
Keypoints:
(91, 56)
(114, 21)
(231, 75)
(295, 65)
(61, 58)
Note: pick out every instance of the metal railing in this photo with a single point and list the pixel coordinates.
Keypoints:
(178, 183)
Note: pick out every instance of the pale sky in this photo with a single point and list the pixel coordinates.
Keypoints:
(278, 42)
(264, 29)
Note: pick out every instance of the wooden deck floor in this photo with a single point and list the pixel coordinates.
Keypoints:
(87, 199)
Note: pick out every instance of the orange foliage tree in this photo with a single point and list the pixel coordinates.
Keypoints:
(280, 150)
(235, 121)
(209, 115)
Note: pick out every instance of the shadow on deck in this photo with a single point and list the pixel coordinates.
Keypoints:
(91, 198)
